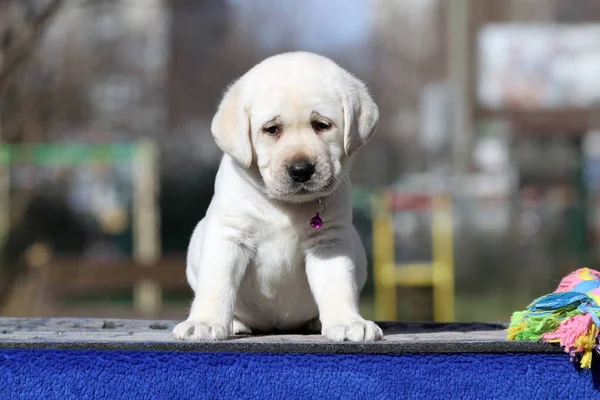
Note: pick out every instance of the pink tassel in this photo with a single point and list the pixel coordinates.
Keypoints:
(570, 330)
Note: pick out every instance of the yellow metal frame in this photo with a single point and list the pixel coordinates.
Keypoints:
(439, 274)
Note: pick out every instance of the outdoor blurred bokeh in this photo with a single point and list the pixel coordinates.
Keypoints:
(480, 190)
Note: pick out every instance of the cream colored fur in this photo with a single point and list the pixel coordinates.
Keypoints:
(254, 262)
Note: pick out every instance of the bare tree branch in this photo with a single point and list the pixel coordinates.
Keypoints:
(37, 27)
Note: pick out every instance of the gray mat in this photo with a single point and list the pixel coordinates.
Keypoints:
(114, 334)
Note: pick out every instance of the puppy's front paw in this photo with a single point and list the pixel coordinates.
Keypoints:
(195, 330)
(354, 331)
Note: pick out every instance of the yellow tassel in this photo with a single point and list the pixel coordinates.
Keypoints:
(514, 330)
(587, 343)
(586, 359)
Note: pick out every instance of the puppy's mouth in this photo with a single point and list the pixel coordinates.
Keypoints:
(315, 191)
(312, 190)
(284, 188)
(303, 194)
(308, 194)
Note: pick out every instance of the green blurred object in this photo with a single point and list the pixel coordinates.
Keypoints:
(67, 153)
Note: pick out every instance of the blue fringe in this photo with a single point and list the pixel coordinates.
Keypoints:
(565, 301)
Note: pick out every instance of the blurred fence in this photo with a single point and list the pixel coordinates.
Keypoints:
(79, 218)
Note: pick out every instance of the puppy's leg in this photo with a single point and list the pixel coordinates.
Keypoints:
(335, 283)
(240, 328)
(221, 266)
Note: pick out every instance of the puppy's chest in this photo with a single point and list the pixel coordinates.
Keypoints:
(277, 250)
(278, 256)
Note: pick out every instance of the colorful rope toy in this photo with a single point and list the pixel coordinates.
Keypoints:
(570, 316)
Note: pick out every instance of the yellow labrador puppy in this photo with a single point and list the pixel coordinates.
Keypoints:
(277, 249)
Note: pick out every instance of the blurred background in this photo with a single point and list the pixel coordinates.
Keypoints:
(480, 190)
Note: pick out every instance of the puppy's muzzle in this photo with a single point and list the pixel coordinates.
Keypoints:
(301, 171)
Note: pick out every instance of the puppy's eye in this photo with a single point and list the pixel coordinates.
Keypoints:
(320, 126)
(272, 130)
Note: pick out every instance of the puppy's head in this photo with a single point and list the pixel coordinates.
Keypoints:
(297, 117)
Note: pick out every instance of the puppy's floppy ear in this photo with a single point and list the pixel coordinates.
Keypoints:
(361, 115)
(231, 126)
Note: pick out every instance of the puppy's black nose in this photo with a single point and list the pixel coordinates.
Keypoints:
(301, 170)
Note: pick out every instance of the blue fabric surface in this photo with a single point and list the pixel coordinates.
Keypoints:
(72, 374)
